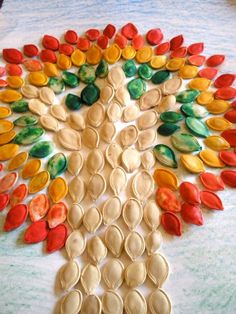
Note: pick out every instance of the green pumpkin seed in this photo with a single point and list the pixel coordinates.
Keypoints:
(187, 96)
(90, 94)
(29, 135)
(20, 106)
(136, 88)
(26, 120)
(102, 69)
(185, 142)
(160, 77)
(171, 116)
(197, 127)
(145, 72)
(73, 102)
(57, 164)
(129, 68)
(41, 149)
(87, 73)
(165, 155)
(70, 79)
(167, 129)
(57, 85)
(194, 110)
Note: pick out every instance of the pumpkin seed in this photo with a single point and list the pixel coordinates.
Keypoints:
(172, 85)
(90, 137)
(130, 113)
(153, 242)
(166, 178)
(132, 213)
(92, 219)
(145, 72)
(70, 79)
(112, 303)
(187, 96)
(129, 68)
(26, 120)
(29, 135)
(113, 153)
(129, 135)
(107, 94)
(114, 239)
(71, 303)
(167, 129)
(158, 302)
(37, 106)
(75, 163)
(69, 139)
(135, 303)
(96, 249)
(75, 244)
(75, 216)
(69, 275)
(118, 180)
(168, 103)
(87, 73)
(17, 161)
(218, 124)
(148, 160)
(197, 127)
(77, 189)
(57, 85)
(108, 131)
(20, 106)
(41, 149)
(102, 69)
(130, 159)
(113, 273)
(218, 106)
(136, 88)
(29, 91)
(111, 210)
(150, 99)
(192, 163)
(114, 112)
(58, 112)
(122, 95)
(49, 123)
(165, 155)
(90, 278)
(56, 165)
(217, 143)
(194, 110)
(134, 245)
(160, 76)
(76, 121)
(211, 159)
(91, 304)
(96, 114)
(147, 120)
(171, 117)
(142, 185)
(157, 269)
(116, 77)
(185, 142)
(95, 161)
(135, 274)
(73, 102)
(96, 186)
(151, 214)
(47, 95)
(146, 139)
(31, 168)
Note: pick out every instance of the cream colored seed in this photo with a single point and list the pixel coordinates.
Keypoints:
(151, 214)
(148, 160)
(58, 112)
(130, 159)
(96, 186)
(76, 121)
(158, 302)
(132, 213)
(69, 275)
(153, 242)
(90, 278)
(114, 239)
(143, 185)
(150, 99)
(111, 210)
(91, 305)
(135, 274)
(77, 189)
(75, 216)
(128, 135)
(92, 219)
(49, 123)
(134, 245)
(108, 131)
(75, 244)
(114, 112)
(47, 95)
(122, 95)
(147, 139)
(96, 249)
(106, 94)
(29, 91)
(113, 273)
(112, 303)
(95, 161)
(90, 137)
(75, 163)
(118, 180)
(113, 154)
(147, 120)
(96, 114)
(116, 77)
(157, 269)
(71, 303)
(130, 113)
(135, 303)
(69, 139)
(37, 106)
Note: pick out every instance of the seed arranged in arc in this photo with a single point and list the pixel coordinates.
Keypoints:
(157, 269)
(168, 103)
(76, 121)
(111, 210)
(160, 77)
(130, 113)
(166, 178)
(142, 185)
(77, 189)
(150, 99)
(148, 160)
(37, 106)
(122, 96)
(58, 112)
(217, 143)
(185, 142)
(47, 95)
(135, 302)
(26, 120)
(5, 126)
(92, 219)
(29, 91)
(69, 275)
(49, 123)
(151, 214)
(128, 135)
(172, 85)
(171, 117)
(136, 88)
(102, 69)
(132, 213)
(17, 161)
(96, 186)
(72, 302)
(114, 111)
(135, 274)
(41, 149)
(73, 102)
(134, 245)
(113, 154)
(112, 273)
(38, 182)
(75, 163)
(108, 131)
(95, 161)
(70, 79)
(218, 123)
(56, 165)
(87, 73)
(165, 155)
(29, 135)
(147, 120)
(211, 182)
(197, 127)
(147, 139)
(194, 110)
(69, 139)
(211, 159)
(129, 68)
(192, 163)
(96, 249)
(187, 96)
(75, 216)
(159, 302)
(153, 241)
(91, 304)
(130, 159)
(56, 84)
(20, 106)
(75, 244)
(112, 303)
(96, 114)
(118, 180)
(107, 93)
(167, 129)
(145, 72)
(90, 278)
(114, 239)
(90, 137)
(116, 77)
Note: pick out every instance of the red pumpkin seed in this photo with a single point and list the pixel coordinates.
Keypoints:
(138, 42)
(39, 207)
(30, 50)
(171, 223)
(13, 69)
(230, 136)
(8, 181)
(211, 181)
(196, 48)
(56, 238)
(162, 48)
(57, 214)
(225, 93)
(179, 52)
(229, 158)
(215, 60)
(32, 65)
(154, 36)
(129, 30)
(4, 200)
(211, 200)
(92, 34)
(121, 41)
(66, 49)
(15, 217)
(36, 232)
(71, 37)
(176, 42)
(12, 55)
(83, 44)
(233, 104)
(50, 42)
(167, 200)
(3, 83)
(231, 116)
(190, 193)
(208, 73)
(192, 214)
(103, 41)
(19, 194)
(224, 80)
(109, 31)
(229, 177)
(47, 55)
(1, 167)
(196, 60)
(2, 71)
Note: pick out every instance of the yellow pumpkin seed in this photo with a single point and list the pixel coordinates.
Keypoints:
(217, 143)
(192, 163)
(218, 124)
(8, 151)
(200, 83)
(211, 159)
(166, 178)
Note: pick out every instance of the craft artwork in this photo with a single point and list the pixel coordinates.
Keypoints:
(96, 135)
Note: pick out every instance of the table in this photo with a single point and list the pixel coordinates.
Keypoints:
(203, 265)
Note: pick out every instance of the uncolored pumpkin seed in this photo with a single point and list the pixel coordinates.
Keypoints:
(168, 103)
(130, 113)
(107, 94)
(96, 186)
(148, 160)
(111, 210)
(146, 139)
(151, 215)
(142, 185)
(90, 278)
(114, 239)
(76, 121)
(134, 245)
(112, 273)
(147, 120)
(172, 85)
(96, 249)
(29, 91)
(37, 106)
(150, 99)
(58, 112)
(130, 159)
(113, 154)
(95, 161)
(153, 242)
(112, 303)
(96, 114)
(92, 219)
(158, 302)
(75, 163)
(69, 275)
(47, 95)
(75, 216)
(135, 274)
(75, 244)
(77, 189)
(90, 137)
(118, 180)
(135, 303)
(71, 303)
(116, 77)
(69, 139)
(91, 305)
(49, 123)
(122, 95)
(114, 112)
(157, 269)
(129, 135)
(108, 131)
(132, 213)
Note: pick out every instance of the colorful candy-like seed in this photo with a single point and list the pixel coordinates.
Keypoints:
(190, 193)
(167, 200)
(211, 181)
(15, 217)
(211, 200)
(192, 214)
(36, 232)
(171, 223)
(56, 238)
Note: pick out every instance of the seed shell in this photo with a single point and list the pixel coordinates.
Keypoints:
(142, 185)
(114, 239)
(92, 219)
(134, 245)
(90, 278)
(132, 213)
(75, 244)
(113, 273)
(69, 275)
